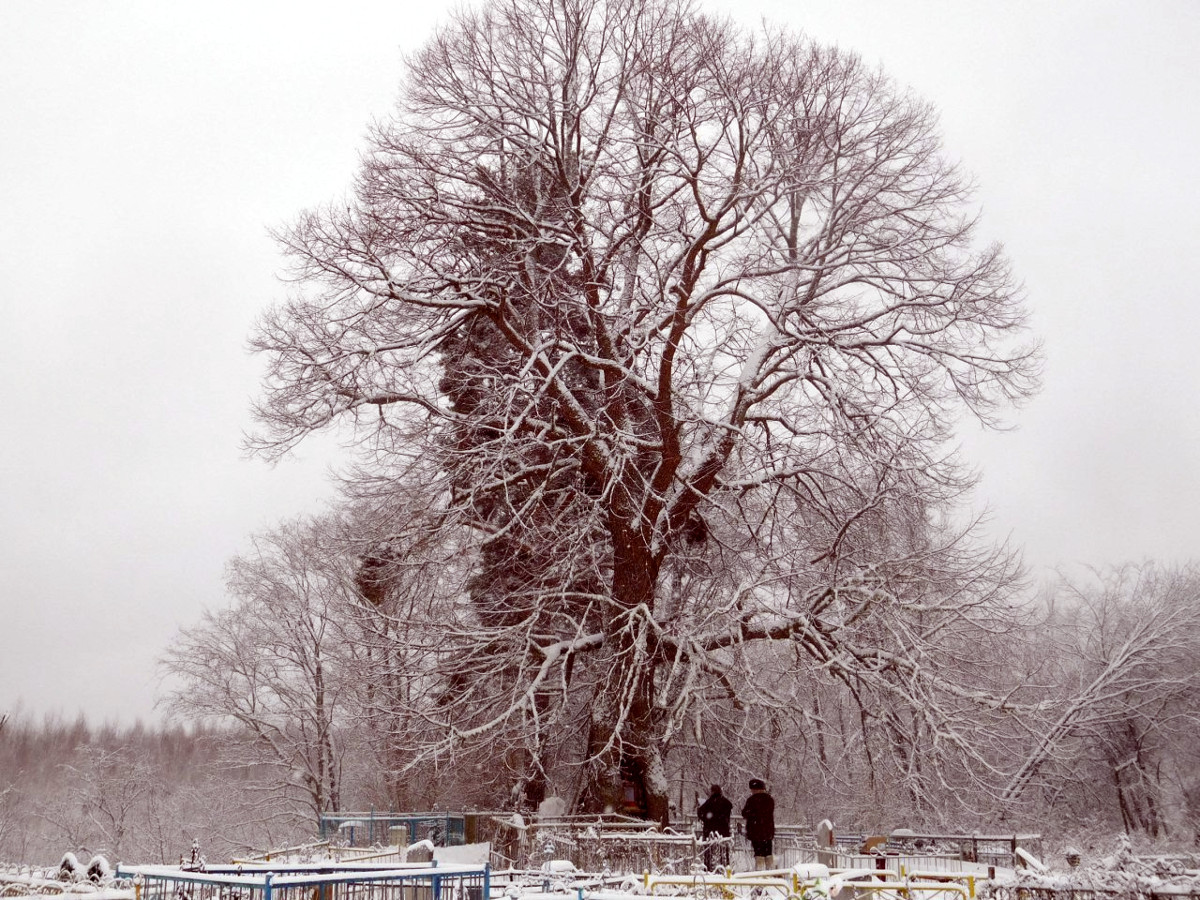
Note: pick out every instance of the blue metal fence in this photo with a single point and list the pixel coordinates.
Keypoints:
(309, 882)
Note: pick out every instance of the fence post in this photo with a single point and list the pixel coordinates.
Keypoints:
(267, 886)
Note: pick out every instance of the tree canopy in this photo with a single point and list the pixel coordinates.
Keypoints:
(653, 332)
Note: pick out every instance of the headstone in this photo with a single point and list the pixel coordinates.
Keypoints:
(70, 869)
(464, 854)
(421, 851)
(825, 839)
(99, 870)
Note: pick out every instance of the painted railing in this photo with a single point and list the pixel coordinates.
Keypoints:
(314, 881)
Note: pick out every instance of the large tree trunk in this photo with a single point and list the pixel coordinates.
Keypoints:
(626, 772)
(626, 775)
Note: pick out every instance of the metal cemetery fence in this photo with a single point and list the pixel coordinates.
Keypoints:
(370, 828)
(617, 843)
(309, 882)
(974, 853)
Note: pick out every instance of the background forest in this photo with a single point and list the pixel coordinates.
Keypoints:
(1114, 659)
(129, 793)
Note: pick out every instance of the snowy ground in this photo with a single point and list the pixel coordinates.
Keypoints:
(1120, 875)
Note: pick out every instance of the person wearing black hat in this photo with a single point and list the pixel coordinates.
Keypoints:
(714, 823)
(759, 813)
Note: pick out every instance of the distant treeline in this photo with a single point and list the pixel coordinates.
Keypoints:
(131, 793)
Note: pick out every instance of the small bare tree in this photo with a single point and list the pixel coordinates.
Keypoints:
(669, 325)
(272, 663)
(115, 788)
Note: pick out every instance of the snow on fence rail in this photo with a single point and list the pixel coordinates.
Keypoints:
(327, 852)
(309, 882)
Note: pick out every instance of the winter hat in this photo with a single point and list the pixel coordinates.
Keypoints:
(756, 784)
(715, 789)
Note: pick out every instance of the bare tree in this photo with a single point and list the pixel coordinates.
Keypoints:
(669, 324)
(15, 818)
(271, 662)
(1123, 715)
(114, 789)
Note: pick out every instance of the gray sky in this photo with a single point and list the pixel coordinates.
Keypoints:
(146, 148)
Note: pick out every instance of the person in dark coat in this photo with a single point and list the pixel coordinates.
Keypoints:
(714, 823)
(759, 813)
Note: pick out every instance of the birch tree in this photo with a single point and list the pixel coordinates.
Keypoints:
(669, 324)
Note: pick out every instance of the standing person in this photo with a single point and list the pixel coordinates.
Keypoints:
(759, 813)
(714, 821)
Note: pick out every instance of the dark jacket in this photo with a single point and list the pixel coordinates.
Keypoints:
(759, 813)
(714, 815)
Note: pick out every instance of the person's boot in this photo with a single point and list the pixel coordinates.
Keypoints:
(770, 863)
(760, 863)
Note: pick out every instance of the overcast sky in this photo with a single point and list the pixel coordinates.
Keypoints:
(147, 147)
